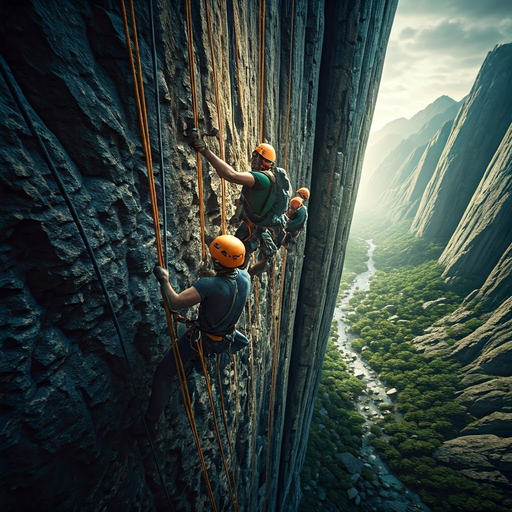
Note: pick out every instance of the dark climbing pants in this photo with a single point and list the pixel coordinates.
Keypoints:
(166, 369)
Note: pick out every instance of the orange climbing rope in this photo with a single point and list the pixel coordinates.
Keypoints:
(219, 116)
(285, 161)
(256, 288)
(261, 24)
(196, 123)
(223, 408)
(277, 321)
(201, 213)
(236, 21)
(141, 110)
(216, 423)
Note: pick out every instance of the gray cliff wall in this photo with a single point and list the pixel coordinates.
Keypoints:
(481, 250)
(407, 200)
(66, 394)
(423, 126)
(482, 449)
(485, 230)
(476, 134)
(351, 64)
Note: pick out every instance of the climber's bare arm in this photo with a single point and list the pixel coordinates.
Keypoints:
(227, 172)
(185, 299)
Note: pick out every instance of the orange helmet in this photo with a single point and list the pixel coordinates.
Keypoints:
(228, 250)
(304, 193)
(268, 153)
(296, 203)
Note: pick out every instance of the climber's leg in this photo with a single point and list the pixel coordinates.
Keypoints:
(164, 375)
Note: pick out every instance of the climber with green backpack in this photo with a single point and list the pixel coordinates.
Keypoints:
(266, 192)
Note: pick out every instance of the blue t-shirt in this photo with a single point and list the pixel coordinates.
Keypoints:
(217, 299)
(296, 223)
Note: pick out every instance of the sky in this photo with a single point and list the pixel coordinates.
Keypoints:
(436, 48)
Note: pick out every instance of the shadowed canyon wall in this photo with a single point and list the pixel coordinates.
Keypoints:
(66, 391)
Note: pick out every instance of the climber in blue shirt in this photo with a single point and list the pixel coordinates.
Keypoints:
(222, 299)
(297, 216)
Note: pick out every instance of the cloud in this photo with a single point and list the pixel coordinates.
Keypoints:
(408, 33)
(437, 47)
(455, 39)
(483, 10)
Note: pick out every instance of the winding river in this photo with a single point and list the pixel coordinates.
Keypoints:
(368, 402)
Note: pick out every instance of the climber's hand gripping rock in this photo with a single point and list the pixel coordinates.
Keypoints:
(195, 141)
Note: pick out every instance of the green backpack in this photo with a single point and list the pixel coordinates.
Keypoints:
(276, 203)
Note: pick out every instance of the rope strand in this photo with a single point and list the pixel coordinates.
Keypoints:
(262, 7)
(170, 321)
(216, 423)
(230, 445)
(285, 161)
(219, 115)
(159, 129)
(196, 123)
(92, 256)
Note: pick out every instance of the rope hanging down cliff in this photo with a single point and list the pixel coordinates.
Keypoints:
(139, 96)
(201, 214)
(159, 131)
(277, 321)
(219, 115)
(223, 229)
(17, 98)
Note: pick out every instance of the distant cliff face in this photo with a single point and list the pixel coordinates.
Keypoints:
(66, 392)
(485, 230)
(476, 134)
(463, 185)
(404, 201)
(391, 171)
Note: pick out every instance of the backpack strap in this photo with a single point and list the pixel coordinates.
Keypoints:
(270, 175)
(217, 336)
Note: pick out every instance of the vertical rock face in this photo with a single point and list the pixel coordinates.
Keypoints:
(66, 390)
(422, 127)
(477, 131)
(351, 64)
(407, 200)
(485, 230)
